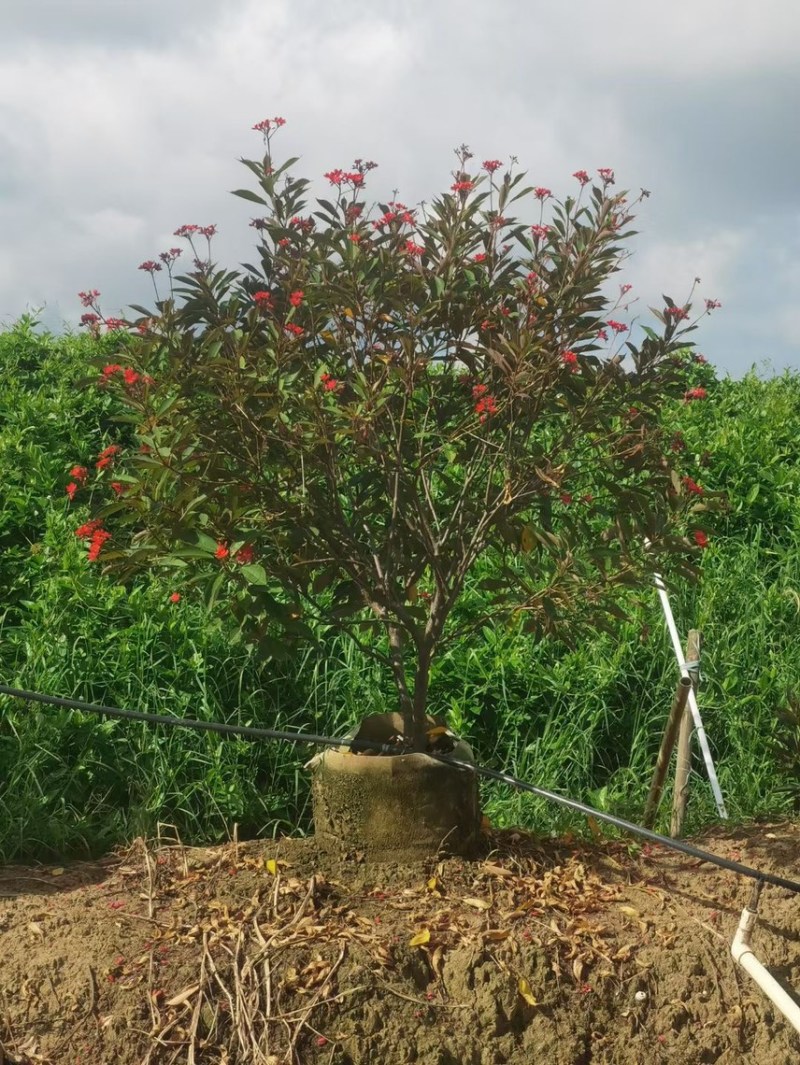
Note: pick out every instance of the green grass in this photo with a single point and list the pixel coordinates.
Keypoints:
(585, 722)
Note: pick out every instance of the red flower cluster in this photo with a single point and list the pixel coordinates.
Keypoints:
(678, 313)
(569, 358)
(106, 457)
(80, 473)
(607, 175)
(566, 498)
(462, 186)
(490, 165)
(485, 405)
(263, 300)
(115, 323)
(618, 327)
(479, 257)
(175, 597)
(540, 232)
(186, 231)
(700, 538)
(678, 443)
(96, 535)
(150, 266)
(208, 231)
(329, 383)
(88, 298)
(692, 487)
(118, 487)
(245, 555)
(266, 124)
(303, 224)
(222, 551)
(711, 305)
(414, 249)
(541, 193)
(602, 334)
(293, 328)
(296, 298)
(170, 256)
(694, 393)
(90, 318)
(582, 176)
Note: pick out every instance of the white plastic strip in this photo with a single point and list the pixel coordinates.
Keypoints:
(692, 700)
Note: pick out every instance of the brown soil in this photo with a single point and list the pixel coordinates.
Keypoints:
(264, 952)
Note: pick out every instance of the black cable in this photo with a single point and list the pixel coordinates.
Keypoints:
(330, 741)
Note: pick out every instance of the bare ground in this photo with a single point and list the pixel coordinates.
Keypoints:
(267, 952)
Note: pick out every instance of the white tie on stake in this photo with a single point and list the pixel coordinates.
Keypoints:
(692, 698)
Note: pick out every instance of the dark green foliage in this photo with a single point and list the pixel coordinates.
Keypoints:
(586, 722)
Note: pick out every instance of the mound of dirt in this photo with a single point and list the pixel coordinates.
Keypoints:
(265, 952)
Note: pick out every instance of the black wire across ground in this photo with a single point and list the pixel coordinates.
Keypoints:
(251, 733)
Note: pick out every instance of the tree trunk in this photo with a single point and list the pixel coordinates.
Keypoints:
(420, 704)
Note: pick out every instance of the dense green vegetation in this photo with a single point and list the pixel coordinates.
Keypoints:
(585, 721)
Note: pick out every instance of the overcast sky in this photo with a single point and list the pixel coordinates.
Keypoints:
(120, 121)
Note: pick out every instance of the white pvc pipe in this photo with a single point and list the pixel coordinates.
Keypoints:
(692, 699)
(743, 954)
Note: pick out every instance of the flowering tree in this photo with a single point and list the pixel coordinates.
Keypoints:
(338, 433)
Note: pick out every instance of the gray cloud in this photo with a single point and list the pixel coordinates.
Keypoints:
(119, 122)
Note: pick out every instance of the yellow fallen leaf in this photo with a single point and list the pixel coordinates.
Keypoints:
(36, 928)
(629, 911)
(496, 935)
(420, 939)
(431, 885)
(525, 991)
(527, 540)
(271, 866)
(479, 904)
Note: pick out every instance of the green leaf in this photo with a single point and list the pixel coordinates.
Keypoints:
(246, 194)
(255, 574)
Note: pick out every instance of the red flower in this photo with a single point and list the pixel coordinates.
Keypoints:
(414, 249)
(540, 232)
(692, 487)
(295, 330)
(118, 487)
(486, 406)
(602, 334)
(85, 532)
(607, 174)
(700, 538)
(102, 463)
(245, 555)
(296, 298)
(130, 376)
(582, 176)
(711, 305)
(678, 443)
(88, 298)
(678, 313)
(222, 551)
(329, 383)
(490, 165)
(694, 393)
(208, 231)
(624, 289)
(479, 390)
(479, 257)
(170, 256)
(112, 449)
(355, 237)
(99, 537)
(80, 473)
(570, 358)
(462, 186)
(266, 124)
(111, 369)
(336, 177)
(115, 323)
(175, 597)
(701, 360)
(90, 319)
(566, 498)
(186, 231)
(282, 243)
(71, 489)
(263, 300)
(541, 193)
(618, 327)
(150, 266)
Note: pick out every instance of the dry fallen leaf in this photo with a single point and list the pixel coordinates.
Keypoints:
(629, 911)
(496, 935)
(271, 866)
(59, 871)
(479, 904)
(420, 939)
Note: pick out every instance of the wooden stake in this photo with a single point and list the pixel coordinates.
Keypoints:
(665, 753)
(680, 795)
